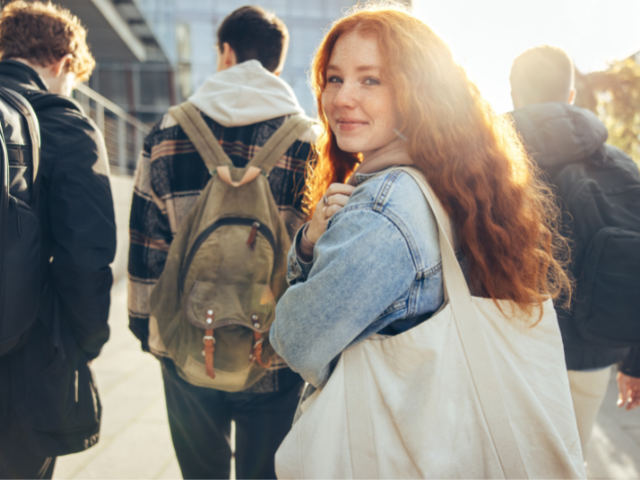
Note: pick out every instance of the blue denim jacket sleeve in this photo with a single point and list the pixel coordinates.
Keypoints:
(362, 270)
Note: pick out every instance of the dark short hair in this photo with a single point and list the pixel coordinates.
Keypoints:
(542, 74)
(255, 34)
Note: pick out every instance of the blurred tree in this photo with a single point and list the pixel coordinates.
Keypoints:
(614, 95)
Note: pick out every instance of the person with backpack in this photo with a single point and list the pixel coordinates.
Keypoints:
(597, 187)
(60, 209)
(420, 305)
(217, 198)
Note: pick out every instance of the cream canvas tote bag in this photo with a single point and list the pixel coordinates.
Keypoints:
(473, 392)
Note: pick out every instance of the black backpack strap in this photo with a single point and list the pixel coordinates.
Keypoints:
(4, 206)
(4, 194)
(19, 103)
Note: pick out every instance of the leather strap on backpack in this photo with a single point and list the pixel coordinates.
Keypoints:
(256, 352)
(207, 145)
(209, 348)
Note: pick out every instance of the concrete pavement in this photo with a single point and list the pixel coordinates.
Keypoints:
(135, 440)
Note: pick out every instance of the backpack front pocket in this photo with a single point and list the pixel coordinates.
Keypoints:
(211, 305)
(607, 304)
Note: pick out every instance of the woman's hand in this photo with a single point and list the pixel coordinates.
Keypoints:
(336, 198)
(629, 391)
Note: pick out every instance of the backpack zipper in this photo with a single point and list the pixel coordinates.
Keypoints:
(223, 222)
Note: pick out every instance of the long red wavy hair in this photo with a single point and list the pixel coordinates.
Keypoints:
(473, 159)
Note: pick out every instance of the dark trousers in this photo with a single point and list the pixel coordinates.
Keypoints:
(200, 423)
(17, 456)
(17, 462)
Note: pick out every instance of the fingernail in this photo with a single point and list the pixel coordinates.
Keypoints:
(620, 402)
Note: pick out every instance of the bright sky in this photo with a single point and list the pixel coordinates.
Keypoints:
(486, 35)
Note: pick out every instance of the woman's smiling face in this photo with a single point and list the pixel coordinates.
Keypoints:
(358, 103)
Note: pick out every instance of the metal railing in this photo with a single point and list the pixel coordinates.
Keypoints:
(123, 133)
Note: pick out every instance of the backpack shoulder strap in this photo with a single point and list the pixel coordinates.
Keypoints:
(280, 142)
(19, 102)
(207, 145)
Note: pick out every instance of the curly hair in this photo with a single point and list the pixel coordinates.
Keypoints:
(473, 159)
(43, 33)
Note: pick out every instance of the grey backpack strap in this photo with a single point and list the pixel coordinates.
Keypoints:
(207, 145)
(280, 142)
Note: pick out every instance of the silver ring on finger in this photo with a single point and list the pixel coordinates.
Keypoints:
(325, 200)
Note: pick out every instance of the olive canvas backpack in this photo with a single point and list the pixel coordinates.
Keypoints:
(215, 300)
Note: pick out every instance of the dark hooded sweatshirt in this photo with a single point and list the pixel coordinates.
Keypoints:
(558, 135)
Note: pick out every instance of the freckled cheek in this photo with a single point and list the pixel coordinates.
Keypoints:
(387, 111)
(327, 102)
(381, 112)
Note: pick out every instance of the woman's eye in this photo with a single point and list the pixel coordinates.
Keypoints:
(371, 81)
(334, 79)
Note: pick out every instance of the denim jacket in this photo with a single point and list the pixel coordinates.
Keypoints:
(374, 270)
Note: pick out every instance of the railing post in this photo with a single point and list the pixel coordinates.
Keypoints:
(85, 103)
(123, 139)
(122, 145)
(139, 145)
(100, 117)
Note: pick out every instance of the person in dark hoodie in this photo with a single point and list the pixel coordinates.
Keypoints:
(49, 404)
(560, 135)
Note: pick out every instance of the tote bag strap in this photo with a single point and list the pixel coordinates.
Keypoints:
(359, 419)
(474, 344)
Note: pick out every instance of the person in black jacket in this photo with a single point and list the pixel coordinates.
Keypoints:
(49, 404)
(558, 134)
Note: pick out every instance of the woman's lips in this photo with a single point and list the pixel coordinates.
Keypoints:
(349, 125)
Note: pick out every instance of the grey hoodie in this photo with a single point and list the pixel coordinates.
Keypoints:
(558, 133)
(245, 94)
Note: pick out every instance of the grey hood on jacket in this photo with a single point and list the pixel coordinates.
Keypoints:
(245, 94)
(558, 133)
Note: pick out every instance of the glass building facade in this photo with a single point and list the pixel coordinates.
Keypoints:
(197, 22)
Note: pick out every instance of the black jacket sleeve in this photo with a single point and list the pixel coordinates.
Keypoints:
(81, 221)
(631, 363)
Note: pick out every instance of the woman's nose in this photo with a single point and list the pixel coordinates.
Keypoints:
(346, 96)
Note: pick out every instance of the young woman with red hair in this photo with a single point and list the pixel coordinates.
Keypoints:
(368, 266)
